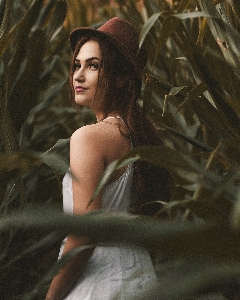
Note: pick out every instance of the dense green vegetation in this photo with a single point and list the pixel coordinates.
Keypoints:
(191, 91)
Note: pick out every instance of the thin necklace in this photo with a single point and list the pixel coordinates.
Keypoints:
(113, 123)
(115, 117)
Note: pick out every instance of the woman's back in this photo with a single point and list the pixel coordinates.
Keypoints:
(116, 271)
(112, 141)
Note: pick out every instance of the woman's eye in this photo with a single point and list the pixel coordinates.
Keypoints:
(93, 66)
(77, 67)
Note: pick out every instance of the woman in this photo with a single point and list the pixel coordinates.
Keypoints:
(106, 76)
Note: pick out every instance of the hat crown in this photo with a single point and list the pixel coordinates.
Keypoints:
(124, 32)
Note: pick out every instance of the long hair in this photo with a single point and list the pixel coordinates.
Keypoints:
(121, 92)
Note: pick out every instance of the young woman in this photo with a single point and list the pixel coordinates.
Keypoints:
(106, 76)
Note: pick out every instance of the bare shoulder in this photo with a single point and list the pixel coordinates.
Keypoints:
(90, 133)
(82, 133)
(93, 138)
(86, 148)
(101, 138)
(96, 144)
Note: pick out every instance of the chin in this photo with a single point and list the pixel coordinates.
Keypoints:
(80, 104)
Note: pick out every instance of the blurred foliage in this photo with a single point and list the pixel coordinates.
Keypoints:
(35, 113)
(191, 92)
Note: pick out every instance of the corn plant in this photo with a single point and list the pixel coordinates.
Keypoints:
(33, 72)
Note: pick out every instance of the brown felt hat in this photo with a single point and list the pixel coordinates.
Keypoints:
(121, 34)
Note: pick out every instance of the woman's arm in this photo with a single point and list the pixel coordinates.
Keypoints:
(87, 165)
(64, 280)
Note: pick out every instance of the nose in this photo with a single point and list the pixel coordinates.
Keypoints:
(79, 75)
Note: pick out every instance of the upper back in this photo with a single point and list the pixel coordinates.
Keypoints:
(109, 141)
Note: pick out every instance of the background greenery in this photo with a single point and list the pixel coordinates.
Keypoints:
(190, 90)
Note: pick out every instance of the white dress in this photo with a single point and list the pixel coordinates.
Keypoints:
(112, 273)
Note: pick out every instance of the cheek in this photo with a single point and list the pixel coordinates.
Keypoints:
(94, 82)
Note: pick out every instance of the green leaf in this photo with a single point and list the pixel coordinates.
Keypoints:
(5, 10)
(59, 147)
(18, 162)
(236, 8)
(147, 26)
(7, 39)
(147, 98)
(197, 91)
(173, 67)
(57, 19)
(13, 166)
(182, 280)
(192, 141)
(226, 36)
(236, 212)
(183, 5)
(48, 96)
(168, 27)
(170, 24)
(7, 131)
(176, 89)
(189, 15)
(193, 242)
(20, 40)
(210, 117)
(56, 162)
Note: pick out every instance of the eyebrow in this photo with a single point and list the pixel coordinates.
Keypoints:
(89, 59)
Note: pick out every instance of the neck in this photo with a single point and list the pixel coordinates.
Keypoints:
(99, 116)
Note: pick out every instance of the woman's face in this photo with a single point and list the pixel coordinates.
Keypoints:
(86, 74)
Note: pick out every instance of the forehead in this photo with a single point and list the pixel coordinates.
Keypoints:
(88, 50)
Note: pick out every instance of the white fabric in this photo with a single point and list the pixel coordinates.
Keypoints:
(117, 272)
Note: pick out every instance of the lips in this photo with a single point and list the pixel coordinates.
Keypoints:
(80, 89)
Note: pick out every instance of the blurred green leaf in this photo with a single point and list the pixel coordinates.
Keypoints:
(201, 280)
(7, 131)
(5, 9)
(48, 96)
(20, 42)
(192, 242)
(236, 7)
(56, 162)
(225, 35)
(17, 162)
(56, 22)
(183, 5)
(59, 147)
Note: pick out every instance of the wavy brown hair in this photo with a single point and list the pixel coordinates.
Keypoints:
(121, 92)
